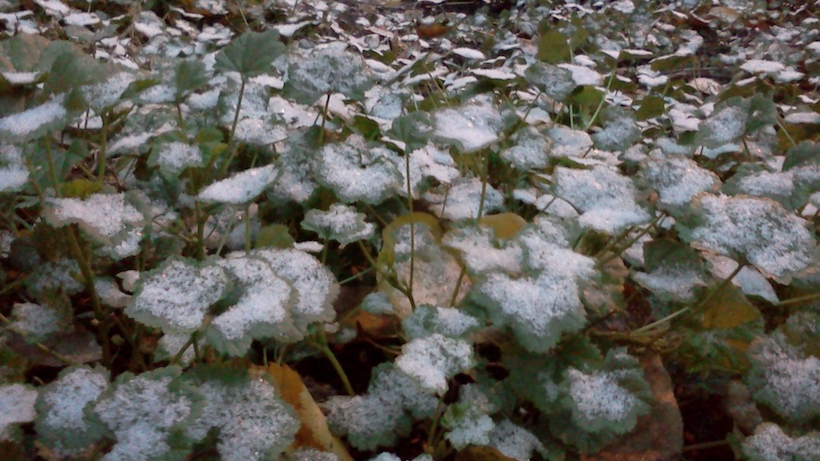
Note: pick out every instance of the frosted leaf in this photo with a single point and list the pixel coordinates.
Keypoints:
(531, 150)
(56, 275)
(35, 122)
(259, 132)
(109, 218)
(385, 457)
(671, 282)
(242, 187)
(463, 199)
(37, 322)
(297, 162)
(760, 230)
(170, 344)
(515, 442)
(679, 180)
(538, 309)
(753, 180)
(129, 142)
(106, 94)
(144, 412)
(62, 423)
(541, 254)
(377, 303)
(468, 53)
(770, 443)
(13, 172)
(110, 294)
(785, 379)
(314, 283)
(479, 251)
(472, 126)
(262, 310)
(357, 172)
(426, 162)
(340, 223)
(761, 66)
(176, 156)
(723, 127)
(434, 359)
(471, 431)
(750, 281)
(568, 142)
(176, 295)
(468, 420)
(620, 131)
(447, 321)
(17, 402)
(605, 198)
(598, 396)
(583, 75)
(383, 415)
(253, 422)
(554, 81)
(327, 69)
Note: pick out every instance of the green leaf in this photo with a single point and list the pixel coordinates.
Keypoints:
(807, 153)
(251, 54)
(651, 106)
(762, 113)
(728, 308)
(412, 129)
(189, 76)
(663, 252)
(275, 236)
(553, 47)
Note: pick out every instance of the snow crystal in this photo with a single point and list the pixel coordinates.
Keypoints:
(473, 126)
(64, 425)
(22, 125)
(605, 198)
(176, 156)
(434, 359)
(17, 402)
(341, 223)
(177, 295)
(242, 187)
(771, 238)
(356, 172)
(678, 180)
(599, 396)
(531, 150)
(463, 199)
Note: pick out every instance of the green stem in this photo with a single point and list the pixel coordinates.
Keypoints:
(88, 277)
(630, 242)
(324, 120)
(232, 145)
(412, 223)
(52, 169)
(601, 103)
(799, 299)
(355, 276)
(40, 345)
(322, 345)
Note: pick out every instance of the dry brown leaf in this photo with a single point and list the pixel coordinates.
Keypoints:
(314, 432)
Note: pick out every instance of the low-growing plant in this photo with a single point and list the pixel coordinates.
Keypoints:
(466, 258)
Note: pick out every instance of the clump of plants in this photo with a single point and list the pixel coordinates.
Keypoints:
(229, 235)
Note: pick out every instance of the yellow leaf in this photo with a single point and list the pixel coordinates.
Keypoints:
(728, 308)
(505, 225)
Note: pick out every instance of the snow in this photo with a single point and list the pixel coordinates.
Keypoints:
(240, 188)
(671, 282)
(35, 321)
(462, 200)
(427, 162)
(479, 253)
(176, 156)
(472, 126)
(605, 198)
(468, 53)
(426, 320)
(677, 180)
(598, 395)
(774, 240)
(750, 281)
(177, 295)
(515, 442)
(81, 19)
(17, 402)
(531, 150)
(568, 142)
(356, 172)
(13, 177)
(723, 127)
(341, 223)
(434, 359)
(583, 75)
(64, 424)
(20, 78)
(25, 124)
(807, 118)
(770, 443)
(494, 74)
(760, 66)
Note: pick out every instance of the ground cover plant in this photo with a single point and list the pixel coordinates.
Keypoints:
(388, 230)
